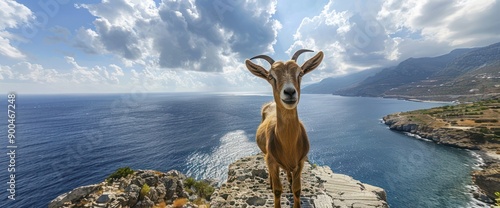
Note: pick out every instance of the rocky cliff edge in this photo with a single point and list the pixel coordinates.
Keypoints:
(247, 186)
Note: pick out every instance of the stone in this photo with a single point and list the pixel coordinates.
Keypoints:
(161, 190)
(144, 203)
(75, 194)
(488, 179)
(255, 201)
(105, 198)
(133, 188)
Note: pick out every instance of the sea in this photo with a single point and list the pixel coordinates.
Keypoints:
(66, 141)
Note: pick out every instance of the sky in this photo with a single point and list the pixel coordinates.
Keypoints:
(120, 46)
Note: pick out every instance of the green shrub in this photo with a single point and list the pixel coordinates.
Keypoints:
(189, 182)
(120, 173)
(486, 120)
(497, 203)
(144, 191)
(202, 188)
(484, 130)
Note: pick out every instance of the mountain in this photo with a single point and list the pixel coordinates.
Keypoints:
(460, 73)
(332, 84)
(474, 59)
(409, 71)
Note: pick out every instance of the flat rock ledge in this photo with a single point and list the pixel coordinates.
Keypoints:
(248, 186)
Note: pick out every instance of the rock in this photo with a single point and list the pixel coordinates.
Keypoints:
(161, 190)
(75, 194)
(103, 199)
(122, 201)
(174, 186)
(256, 201)
(320, 188)
(488, 179)
(132, 194)
(144, 203)
(377, 190)
(132, 188)
(153, 195)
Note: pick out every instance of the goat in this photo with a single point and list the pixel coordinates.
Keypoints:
(281, 136)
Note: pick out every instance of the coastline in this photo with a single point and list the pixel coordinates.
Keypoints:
(445, 98)
(488, 160)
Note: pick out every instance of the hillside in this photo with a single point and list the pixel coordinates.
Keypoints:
(408, 71)
(462, 74)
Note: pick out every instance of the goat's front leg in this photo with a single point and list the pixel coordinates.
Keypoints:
(274, 175)
(296, 184)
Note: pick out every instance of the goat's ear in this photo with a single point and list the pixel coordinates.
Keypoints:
(312, 63)
(256, 69)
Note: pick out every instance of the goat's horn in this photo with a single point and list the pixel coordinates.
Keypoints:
(265, 57)
(297, 54)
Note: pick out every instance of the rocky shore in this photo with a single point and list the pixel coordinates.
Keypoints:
(247, 186)
(487, 179)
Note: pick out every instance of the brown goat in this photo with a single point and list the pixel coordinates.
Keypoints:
(281, 136)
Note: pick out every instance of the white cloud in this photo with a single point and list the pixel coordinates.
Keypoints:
(437, 27)
(457, 23)
(36, 73)
(233, 79)
(96, 74)
(343, 37)
(113, 78)
(187, 35)
(6, 72)
(12, 15)
(382, 33)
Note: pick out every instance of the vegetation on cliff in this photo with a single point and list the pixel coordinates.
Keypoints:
(497, 200)
(479, 119)
(119, 173)
(201, 188)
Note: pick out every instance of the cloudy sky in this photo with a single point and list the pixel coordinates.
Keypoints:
(96, 46)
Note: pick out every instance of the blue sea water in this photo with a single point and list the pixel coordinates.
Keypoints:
(66, 141)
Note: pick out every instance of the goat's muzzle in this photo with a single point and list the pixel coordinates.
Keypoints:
(289, 97)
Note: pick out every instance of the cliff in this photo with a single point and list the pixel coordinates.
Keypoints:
(247, 186)
(471, 126)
